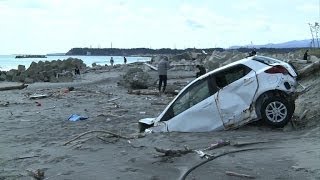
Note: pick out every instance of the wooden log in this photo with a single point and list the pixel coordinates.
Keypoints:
(150, 66)
(306, 71)
(299, 61)
(22, 86)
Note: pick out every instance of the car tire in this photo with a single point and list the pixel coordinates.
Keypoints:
(277, 111)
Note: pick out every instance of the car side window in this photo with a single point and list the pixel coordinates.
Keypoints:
(192, 96)
(231, 74)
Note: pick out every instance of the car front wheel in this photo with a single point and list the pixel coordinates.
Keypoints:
(277, 111)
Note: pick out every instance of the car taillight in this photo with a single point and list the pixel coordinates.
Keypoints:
(277, 69)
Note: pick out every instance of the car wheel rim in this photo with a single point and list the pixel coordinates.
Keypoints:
(276, 111)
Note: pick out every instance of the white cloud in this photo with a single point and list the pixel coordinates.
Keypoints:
(58, 25)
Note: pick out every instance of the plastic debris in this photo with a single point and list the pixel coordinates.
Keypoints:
(76, 117)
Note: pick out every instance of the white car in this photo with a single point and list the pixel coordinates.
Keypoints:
(247, 90)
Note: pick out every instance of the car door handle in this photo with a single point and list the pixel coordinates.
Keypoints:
(206, 105)
(248, 81)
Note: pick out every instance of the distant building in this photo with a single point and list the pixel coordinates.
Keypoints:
(88, 53)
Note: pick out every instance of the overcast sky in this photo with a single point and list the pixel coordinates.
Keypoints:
(47, 26)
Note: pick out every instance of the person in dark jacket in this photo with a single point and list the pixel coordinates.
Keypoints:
(124, 60)
(163, 67)
(201, 71)
(306, 55)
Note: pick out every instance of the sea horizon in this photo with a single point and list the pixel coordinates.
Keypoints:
(8, 62)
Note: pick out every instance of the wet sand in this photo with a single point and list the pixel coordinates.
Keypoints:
(32, 136)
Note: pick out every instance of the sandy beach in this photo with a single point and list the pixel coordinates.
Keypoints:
(34, 132)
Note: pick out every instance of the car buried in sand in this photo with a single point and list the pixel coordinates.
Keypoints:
(247, 90)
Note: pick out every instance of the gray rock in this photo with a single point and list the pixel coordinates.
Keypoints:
(21, 68)
(28, 80)
(135, 78)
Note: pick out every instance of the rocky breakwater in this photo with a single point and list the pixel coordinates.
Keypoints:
(44, 71)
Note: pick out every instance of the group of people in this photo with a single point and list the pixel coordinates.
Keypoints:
(163, 67)
(112, 61)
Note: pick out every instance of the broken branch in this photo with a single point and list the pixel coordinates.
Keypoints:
(238, 144)
(303, 115)
(215, 157)
(230, 173)
(26, 157)
(96, 131)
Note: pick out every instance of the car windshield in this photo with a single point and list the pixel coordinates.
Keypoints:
(267, 60)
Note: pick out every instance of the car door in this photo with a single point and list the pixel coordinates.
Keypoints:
(238, 86)
(195, 109)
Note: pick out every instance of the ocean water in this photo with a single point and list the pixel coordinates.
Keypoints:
(8, 62)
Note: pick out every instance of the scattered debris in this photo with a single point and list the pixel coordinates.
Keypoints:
(184, 176)
(37, 174)
(38, 96)
(143, 92)
(75, 117)
(219, 144)
(113, 99)
(309, 69)
(174, 153)
(97, 131)
(6, 104)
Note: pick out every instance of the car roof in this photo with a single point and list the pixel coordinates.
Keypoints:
(241, 61)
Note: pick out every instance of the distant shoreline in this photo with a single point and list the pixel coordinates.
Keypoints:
(30, 56)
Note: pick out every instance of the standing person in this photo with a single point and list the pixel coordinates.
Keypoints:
(77, 71)
(201, 71)
(163, 67)
(111, 61)
(124, 60)
(305, 56)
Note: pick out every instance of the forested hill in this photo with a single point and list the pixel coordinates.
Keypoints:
(134, 51)
(164, 51)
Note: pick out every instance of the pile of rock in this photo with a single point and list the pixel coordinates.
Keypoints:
(136, 78)
(48, 71)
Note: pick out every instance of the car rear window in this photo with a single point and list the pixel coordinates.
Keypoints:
(266, 60)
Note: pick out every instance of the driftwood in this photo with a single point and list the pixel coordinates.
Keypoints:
(299, 61)
(97, 131)
(173, 153)
(241, 144)
(184, 176)
(230, 173)
(22, 86)
(309, 69)
(143, 92)
(217, 145)
(151, 67)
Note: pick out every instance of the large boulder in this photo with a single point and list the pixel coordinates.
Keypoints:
(47, 71)
(136, 78)
(21, 68)
(3, 76)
